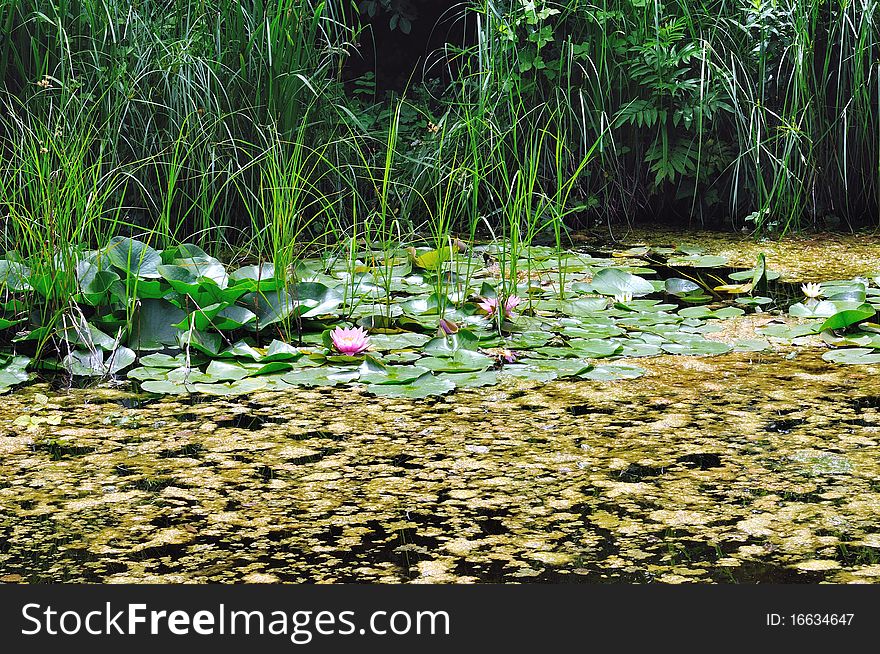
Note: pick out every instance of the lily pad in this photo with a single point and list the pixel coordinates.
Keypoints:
(613, 372)
(853, 356)
(425, 386)
(471, 379)
(460, 361)
(613, 281)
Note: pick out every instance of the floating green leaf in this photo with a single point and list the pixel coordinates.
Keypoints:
(853, 356)
(425, 386)
(613, 281)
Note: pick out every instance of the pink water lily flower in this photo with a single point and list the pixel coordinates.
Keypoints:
(501, 354)
(490, 305)
(447, 327)
(350, 340)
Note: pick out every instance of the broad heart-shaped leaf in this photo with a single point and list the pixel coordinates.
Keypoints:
(6, 324)
(165, 387)
(697, 346)
(158, 360)
(256, 278)
(558, 367)
(594, 348)
(78, 333)
(206, 342)
(233, 317)
(679, 286)
(314, 299)
(848, 317)
(425, 386)
(528, 340)
(583, 307)
(751, 345)
(281, 351)
(219, 370)
(238, 387)
(613, 372)
(182, 251)
(391, 342)
(753, 301)
(145, 373)
(242, 350)
(13, 371)
(186, 278)
(226, 371)
(270, 307)
(14, 275)
(460, 361)
(789, 332)
(134, 257)
(471, 379)
(446, 346)
(97, 290)
(823, 309)
(749, 274)
(432, 259)
(852, 293)
(155, 325)
(696, 312)
(203, 267)
(613, 281)
(698, 261)
(853, 356)
(320, 376)
(390, 374)
(202, 318)
(96, 363)
(429, 305)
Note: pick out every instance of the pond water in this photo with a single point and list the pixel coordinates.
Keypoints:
(747, 467)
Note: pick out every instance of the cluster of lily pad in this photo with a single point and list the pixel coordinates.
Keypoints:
(404, 323)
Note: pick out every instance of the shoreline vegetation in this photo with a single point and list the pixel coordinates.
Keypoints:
(200, 177)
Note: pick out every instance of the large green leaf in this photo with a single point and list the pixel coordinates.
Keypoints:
(391, 342)
(95, 289)
(13, 371)
(134, 257)
(270, 307)
(446, 346)
(14, 275)
(679, 286)
(98, 364)
(256, 278)
(460, 361)
(390, 374)
(320, 376)
(425, 386)
(613, 372)
(853, 356)
(613, 281)
(155, 325)
(471, 379)
(238, 387)
(849, 317)
(314, 299)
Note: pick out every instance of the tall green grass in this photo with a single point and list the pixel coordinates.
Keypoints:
(232, 124)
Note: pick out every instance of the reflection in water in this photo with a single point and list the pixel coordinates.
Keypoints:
(738, 468)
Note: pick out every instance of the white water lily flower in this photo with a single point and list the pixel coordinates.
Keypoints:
(812, 291)
(623, 298)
